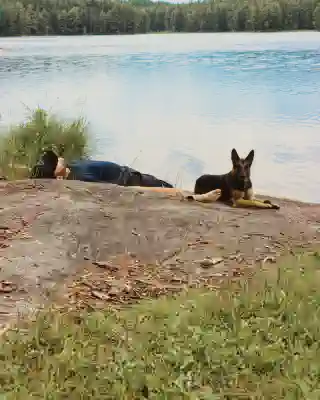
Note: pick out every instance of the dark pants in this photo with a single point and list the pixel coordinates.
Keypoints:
(103, 171)
(106, 171)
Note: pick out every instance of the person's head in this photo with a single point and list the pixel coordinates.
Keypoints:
(50, 159)
(45, 168)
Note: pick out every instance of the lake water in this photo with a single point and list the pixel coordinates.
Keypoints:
(175, 105)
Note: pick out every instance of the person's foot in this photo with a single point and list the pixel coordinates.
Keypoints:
(209, 197)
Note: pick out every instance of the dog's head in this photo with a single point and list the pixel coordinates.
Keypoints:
(242, 166)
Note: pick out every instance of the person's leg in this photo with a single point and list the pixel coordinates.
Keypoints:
(152, 181)
(94, 171)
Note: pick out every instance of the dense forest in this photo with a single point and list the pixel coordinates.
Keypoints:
(76, 17)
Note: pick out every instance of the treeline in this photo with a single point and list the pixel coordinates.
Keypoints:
(76, 17)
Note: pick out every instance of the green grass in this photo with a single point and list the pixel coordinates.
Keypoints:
(258, 340)
(22, 145)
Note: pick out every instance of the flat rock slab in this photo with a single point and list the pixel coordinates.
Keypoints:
(52, 232)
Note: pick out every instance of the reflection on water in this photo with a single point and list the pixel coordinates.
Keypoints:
(175, 105)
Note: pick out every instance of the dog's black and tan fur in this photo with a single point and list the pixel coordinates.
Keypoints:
(236, 186)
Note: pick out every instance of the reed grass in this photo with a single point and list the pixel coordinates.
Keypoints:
(22, 145)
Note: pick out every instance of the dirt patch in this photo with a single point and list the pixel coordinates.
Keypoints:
(147, 243)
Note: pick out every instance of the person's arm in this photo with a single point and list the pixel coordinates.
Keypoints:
(61, 171)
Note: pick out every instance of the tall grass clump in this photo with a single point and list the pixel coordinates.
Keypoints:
(22, 145)
(256, 340)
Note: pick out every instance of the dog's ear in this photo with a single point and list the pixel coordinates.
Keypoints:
(249, 158)
(234, 156)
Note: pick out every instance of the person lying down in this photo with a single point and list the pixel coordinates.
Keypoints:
(50, 166)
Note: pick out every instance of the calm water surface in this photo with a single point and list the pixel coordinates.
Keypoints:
(175, 105)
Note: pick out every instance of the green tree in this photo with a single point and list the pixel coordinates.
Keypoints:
(74, 17)
(316, 17)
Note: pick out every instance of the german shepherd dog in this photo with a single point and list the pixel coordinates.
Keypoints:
(235, 186)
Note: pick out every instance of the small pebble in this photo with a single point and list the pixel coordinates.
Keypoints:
(209, 262)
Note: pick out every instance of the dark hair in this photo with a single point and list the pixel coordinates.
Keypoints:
(45, 168)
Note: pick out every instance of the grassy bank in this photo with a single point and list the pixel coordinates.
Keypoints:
(256, 340)
(22, 145)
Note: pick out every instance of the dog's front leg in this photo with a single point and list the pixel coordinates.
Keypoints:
(236, 195)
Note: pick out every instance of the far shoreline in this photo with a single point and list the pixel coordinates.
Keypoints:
(161, 33)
